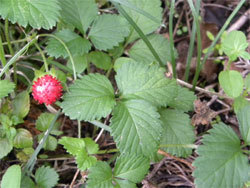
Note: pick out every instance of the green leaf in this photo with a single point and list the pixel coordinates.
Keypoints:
(234, 44)
(44, 120)
(72, 145)
(90, 98)
(136, 128)
(6, 147)
(100, 176)
(46, 177)
(140, 81)
(84, 161)
(50, 144)
(79, 13)
(131, 167)
(27, 182)
(244, 121)
(141, 53)
(80, 61)
(21, 104)
(183, 100)
(239, 103)
(108, 31)
(23, 139)
(221, 162)
(231, 82)
(146, 24)
(12, 177)
(177, 133)
(100, 60)
(247, 82)
(6, 87)
(120, 61)
(76, 44)
(91, 146)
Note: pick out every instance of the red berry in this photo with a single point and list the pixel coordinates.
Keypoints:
(47, 89)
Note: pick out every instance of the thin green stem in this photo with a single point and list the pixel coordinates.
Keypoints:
(66, 48)
(140, 33)
(43, 56)
(171, 37)
(210, 49)
(16, 41)
(107, 151)
(2, 54)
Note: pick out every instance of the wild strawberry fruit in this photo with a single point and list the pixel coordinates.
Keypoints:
(47, 89)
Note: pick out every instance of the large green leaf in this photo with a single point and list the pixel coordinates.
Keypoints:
(6, 87)
(178, 132)
(76, 44)
(46, 177)
(36, 13)
(243, 117)
(21, 104)
(140, 81)
(141, 53)
(12, 177)
(108, 30)
(90, 98)
(147, 25)
(221, 162)
(136, 128)
(79, 13)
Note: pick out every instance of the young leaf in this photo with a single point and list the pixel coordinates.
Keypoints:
(23, 139)
(36, 13)
(79, 13)
(90, 98)
(27, 182)
(76, 44)
(146, 24)
(6, 87)
(239, 103)
(91, 146)
(50, 144)
(221, 162)
(243, 117)
(141, 53)
(100, 60)
(136, 128)
(140, 81)
(231, 82)
(12, 177)
(21, 104)
(84, 161)
(108, 30)
(46, 177)
(177, 132)
(100, 176)
(72, 145)
(6, 147)
(44, 120)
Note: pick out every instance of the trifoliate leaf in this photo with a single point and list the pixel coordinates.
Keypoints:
(12, 177)
(100, 60)
(140, 81)
(46, 177)
(178, 132)
(131, 167)
(136, 128)
(79, 13)
(75, 43)
(152, 7)
(90, 98)
(221, 162)
(141, 53)
(72, 145)
(6, 87)
(231, 82)
(6, 147)
(36, 13)
(108, 30)
(183, 99)
(21, 104)
(84, 161)
(100, 176)
(23, 139)
(243, 117)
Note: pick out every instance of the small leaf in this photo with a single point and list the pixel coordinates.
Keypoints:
(136, 128)
(243, 117)
(177, 133)
(100, 60)
(84, 161)
(91, 146)
(108, 31)
(140, 81)
(80, 61)
(6, 87)
(72, 145)
(44, 120)
(221, 162)
(27, 182)
(50, 144)
(231, 82)
(12, 177)
(76, 44)
(247, 82)
(79, 13)
(21, 104)
(6, 147)
(239, 103)
(90, 98)
(141, 53)
(36, 13)
(46, 177)
(23, 139)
